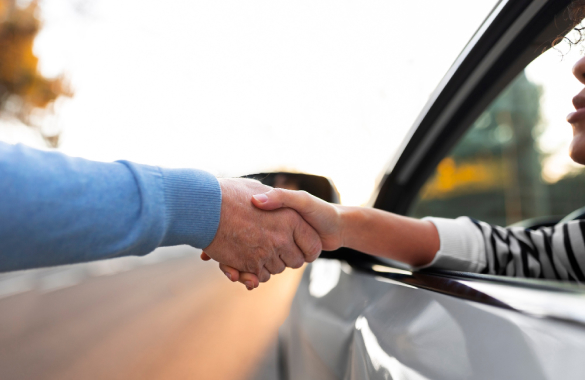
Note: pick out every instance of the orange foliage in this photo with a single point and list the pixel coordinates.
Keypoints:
(454, 179)
(21, 85)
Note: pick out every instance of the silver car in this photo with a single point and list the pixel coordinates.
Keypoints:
(473, 151)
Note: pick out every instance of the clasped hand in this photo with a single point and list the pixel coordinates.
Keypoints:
(263, 230)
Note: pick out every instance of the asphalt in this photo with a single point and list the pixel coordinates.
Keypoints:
(165, 316)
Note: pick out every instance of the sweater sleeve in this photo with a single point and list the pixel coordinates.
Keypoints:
(58, 210)
(461, 247)
(556, 252)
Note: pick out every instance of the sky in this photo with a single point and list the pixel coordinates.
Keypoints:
(240, 87)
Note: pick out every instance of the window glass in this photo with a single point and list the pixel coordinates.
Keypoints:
(513, 163)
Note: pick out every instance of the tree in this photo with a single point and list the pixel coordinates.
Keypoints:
(22, 87)
(494, 172)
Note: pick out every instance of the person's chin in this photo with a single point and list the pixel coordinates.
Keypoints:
(577, 148)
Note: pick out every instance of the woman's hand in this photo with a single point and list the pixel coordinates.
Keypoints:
(324, 217)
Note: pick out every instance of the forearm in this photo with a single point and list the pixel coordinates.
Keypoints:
(57, 210)
(384, 234)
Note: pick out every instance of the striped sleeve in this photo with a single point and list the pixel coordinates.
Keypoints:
(551, 252)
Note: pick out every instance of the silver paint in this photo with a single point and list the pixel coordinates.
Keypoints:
(366, 327)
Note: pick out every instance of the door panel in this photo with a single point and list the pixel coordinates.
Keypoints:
(367, 327)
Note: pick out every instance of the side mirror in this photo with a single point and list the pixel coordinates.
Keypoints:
(321, 187)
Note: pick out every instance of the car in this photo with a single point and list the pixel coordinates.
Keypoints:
(355, 316)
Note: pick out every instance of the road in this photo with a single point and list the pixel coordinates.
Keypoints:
(165, 316)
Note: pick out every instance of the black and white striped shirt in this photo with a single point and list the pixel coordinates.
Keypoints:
(550, 252)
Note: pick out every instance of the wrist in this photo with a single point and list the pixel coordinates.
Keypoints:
(348, 216)
(193, 200)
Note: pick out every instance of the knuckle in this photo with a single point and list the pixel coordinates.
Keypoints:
(275, 266)
(297, 262)
(304, 198)
(252, 266)
(279, 194)
(280, 268)
(313, 251)
(304, 194)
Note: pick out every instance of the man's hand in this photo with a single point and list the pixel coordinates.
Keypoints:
(259, 242)
(324, 217)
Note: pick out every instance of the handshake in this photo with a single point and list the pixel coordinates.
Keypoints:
(263, 230)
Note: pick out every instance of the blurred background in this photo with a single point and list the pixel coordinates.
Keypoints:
(513, 164)
(328, 88)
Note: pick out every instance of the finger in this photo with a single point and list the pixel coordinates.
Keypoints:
(250, 280)
(275, 265)
(293, 258)
(264, 275)
(231, 273)
(205, 256)
(307, 240)
(278, 198)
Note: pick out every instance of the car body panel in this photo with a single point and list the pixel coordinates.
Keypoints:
(350, 325)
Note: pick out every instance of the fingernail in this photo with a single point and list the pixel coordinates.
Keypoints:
(262, 198)
(228, 275)
(249, 285)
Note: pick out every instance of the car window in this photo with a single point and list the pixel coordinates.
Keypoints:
(513, 163)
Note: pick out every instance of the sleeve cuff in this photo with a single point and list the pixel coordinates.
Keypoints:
(462, 246)
(193, 206)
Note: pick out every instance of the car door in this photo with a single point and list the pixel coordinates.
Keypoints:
(358, 317)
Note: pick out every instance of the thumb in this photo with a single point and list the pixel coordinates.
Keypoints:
(278, 198)
(267, 201)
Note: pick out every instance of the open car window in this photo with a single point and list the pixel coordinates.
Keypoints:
(512, 165)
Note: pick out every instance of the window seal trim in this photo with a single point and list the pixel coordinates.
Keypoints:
(551, 300)
(468, 86)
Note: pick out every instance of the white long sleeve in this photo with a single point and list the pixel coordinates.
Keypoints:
(551, 252)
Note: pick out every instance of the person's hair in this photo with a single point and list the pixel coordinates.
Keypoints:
(576, 15)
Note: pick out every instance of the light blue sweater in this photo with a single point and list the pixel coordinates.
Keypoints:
(58, 210)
